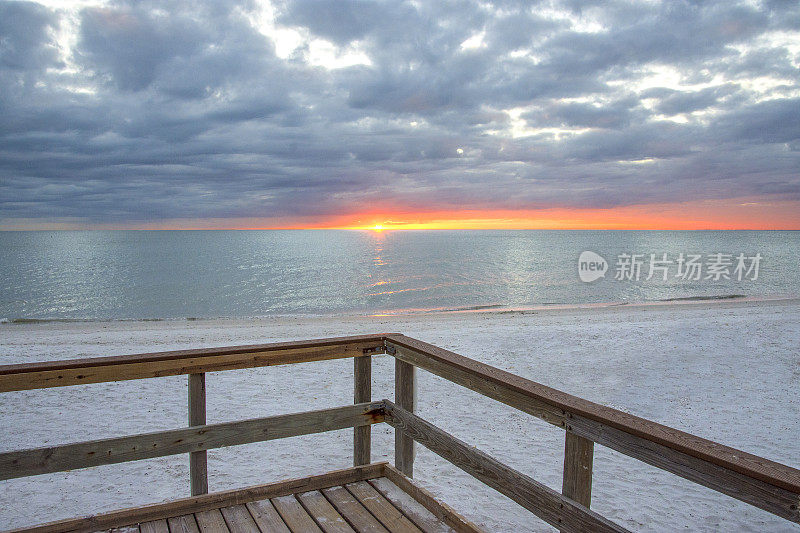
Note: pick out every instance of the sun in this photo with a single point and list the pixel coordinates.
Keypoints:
(377, 227)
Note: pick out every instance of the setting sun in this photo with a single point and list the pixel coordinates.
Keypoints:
(377, 227)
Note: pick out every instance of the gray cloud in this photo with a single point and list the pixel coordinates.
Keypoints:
(157, 110)
(132, 45)
(26, 43)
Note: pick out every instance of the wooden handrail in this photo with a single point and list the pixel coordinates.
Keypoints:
(767, 484)
(743, 462)
(28, 376)
(760, 482)
(65, 457)
(555, 509)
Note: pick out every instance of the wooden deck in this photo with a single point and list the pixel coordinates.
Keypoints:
(374, 498)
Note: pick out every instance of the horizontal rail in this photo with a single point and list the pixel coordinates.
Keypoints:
(761, 494)
(766, 484)
(28, 376)
(146, 446)
(541, 500)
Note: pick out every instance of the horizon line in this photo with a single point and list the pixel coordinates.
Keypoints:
(383, 230)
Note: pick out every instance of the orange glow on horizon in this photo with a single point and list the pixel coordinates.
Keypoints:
(712, 214)
(731, 214)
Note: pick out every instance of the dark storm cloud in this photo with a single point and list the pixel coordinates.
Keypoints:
(148, 111)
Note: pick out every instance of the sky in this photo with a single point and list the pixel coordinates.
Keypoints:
(453, 114)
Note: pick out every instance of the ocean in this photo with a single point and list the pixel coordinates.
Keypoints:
(153, 275)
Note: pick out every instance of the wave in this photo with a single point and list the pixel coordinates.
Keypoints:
(470, 308)
(24, 320)
(699, 298)
(81, 320)
(488, 308)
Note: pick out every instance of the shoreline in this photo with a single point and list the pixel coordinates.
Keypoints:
(711, 302)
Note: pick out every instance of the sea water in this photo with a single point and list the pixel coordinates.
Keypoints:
(140, 275)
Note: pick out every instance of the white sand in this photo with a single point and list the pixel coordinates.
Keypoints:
(726, 371)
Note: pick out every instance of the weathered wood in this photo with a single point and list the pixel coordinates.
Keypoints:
(100, 369)
(156, 526)
(578, 459)
(267, 518)
(183, 524)
(362, 393)
(145, 446)
(295, 515)
(211, 521)
(477, 383)
(207, 502)
(381, 508)
(238, 519)
(440, 510)
(552, 507)
(198, 461)
(404, 393)
(757, 481)
(325, 515)
(776, 500)
(427, 355)
(415, 511)
(352, 510)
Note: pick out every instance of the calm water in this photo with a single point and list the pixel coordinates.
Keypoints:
(207, 274)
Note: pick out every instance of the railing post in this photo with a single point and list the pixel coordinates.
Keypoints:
(362, 392)
(404, 393)
(578, 458)
(198, 462)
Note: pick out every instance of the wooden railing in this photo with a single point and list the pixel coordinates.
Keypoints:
(199, 436)
(757, 481)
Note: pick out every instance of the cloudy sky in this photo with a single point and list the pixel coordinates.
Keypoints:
(463, 114)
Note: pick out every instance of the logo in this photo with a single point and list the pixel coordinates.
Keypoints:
(591, 267)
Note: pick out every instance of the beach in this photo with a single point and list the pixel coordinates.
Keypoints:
(590, 211)
(726, 370)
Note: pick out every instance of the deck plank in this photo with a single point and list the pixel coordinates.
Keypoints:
(391, 518)
(295, 515)
(183, 524)
(238, 519)
(211, 521)
(441, 510)
(267, 518)
(423, 518)
(371, 499)
(352, 510)
(156, 526)
(325, 514)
